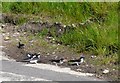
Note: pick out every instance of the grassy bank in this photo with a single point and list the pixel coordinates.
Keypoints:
(99, 37)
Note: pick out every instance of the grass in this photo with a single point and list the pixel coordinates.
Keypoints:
(71, 12)
(99, 38)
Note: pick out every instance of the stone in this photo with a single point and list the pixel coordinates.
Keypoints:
(7, 38)
(105, 71)
(93, 56)
(53, 53)
(73, 25)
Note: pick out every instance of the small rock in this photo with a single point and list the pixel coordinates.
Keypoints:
(3, 34)
(54, 45)
(7, 38)
(79, 69)
(81, 23)
(17, 39)
(18, 33)
(24, 33)
(14, 35)
(53, 53)
(56, 22)
(113, 69)
(87, 65)
(31, 44)
(53, 39)
(2, 46)
(58, 44)
(31, 41)
(64, 26)
(8, 33)
(73, 25)
(105, 71)
(48, 53)
(60, 30)
(93, 56)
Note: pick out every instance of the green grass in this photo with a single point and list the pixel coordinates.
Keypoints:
(64, 12)
(100, 37)
(93, 38)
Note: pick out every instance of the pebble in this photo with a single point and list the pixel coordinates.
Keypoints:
(31, 44)
(79, 69)
(93, 56)
(48, 53)
(16, 34)
(60, 30)
(8, 33)
(87, 65)
(54, 45)
(58, 44)
(56, 22)
(64, 26)
(82, 23)
(17, 39)
(53, 39)
(3, 34)
(49, 37)
(31, 41)
(2, 46)
(73, 25)
(105, 71)
(113, 69)
(53, 53)
(7, 38)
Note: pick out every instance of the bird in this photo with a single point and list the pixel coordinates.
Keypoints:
(58, 61)
(77, 61)
(20, 45)
(35, 58)
(31, 58)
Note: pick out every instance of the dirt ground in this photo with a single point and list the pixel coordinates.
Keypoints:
(49, 50)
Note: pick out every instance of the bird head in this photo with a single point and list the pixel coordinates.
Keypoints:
(82, 57)
(29, 55)
(38, 56)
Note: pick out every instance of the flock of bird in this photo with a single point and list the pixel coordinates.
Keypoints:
(34, 58)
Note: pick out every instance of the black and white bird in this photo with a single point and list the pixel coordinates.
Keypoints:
(35, 58)
(28, 57)
(58, 61)
(20, 45)
(77, 61)
(32, 58)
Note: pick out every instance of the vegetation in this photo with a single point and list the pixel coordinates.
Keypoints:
(99, 37)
